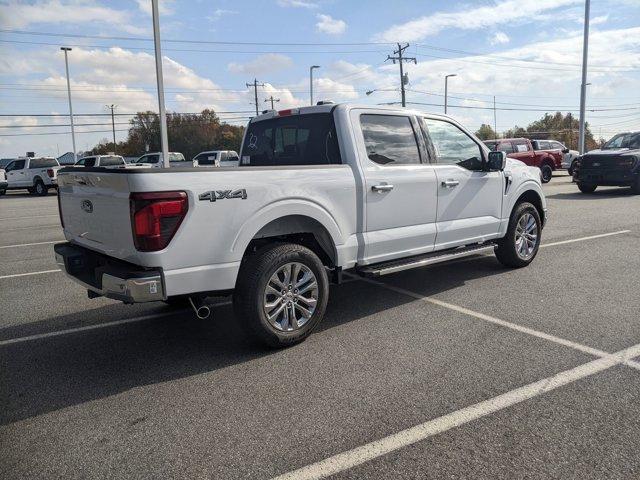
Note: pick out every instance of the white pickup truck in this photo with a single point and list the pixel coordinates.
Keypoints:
(37, 175)
(319, 191)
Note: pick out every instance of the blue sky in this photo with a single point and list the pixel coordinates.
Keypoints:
(525, 52)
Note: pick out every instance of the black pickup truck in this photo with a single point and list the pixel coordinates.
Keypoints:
(617, 163)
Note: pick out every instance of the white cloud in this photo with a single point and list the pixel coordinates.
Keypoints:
(270, 62)
(297, 4)
(471, 19)
(499, 38)
(16, 14)
(164, 6)
(332, 26)
(218, 13)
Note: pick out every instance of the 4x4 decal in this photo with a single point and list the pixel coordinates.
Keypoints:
(215, 195)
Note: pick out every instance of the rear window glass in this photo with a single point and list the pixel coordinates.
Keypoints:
(110, 161)
(293, 140)
(207, 158)
(176, 157)
(43, 163)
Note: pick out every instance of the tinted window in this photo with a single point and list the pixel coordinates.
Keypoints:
(149, 159)
(452, 145)
(110, 161)
(206, 158)
(634, 140)
(389, 139)
(90, 162)
(18, 165)
(43, 163)
(292, 140)
(505, 147)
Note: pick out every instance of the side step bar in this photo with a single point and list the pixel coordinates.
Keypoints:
(394, 266)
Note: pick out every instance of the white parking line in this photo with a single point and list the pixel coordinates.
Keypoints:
(28, 274)
(30, 244)
(582, 239)
(30, 216)
(357, 456)
(99, 325)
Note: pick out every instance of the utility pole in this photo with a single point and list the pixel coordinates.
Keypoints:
(311, 83)
(495, 122)
(271, 99)
(583, 86)
(164, 139)
(255, 86)
(112, 107)
(400, 59)
(446, 82)
(73, 132)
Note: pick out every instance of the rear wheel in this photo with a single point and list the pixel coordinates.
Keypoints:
(635, 188)
(547, 173)
(520, 245)
(281, 294)
(587, 187)
(40, 189)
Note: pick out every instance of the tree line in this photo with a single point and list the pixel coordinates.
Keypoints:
(188, 134)
(563, 128)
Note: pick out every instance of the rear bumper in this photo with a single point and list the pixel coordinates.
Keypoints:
(109, 277)
(613, 177)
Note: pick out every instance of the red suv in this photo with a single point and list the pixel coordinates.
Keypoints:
(522, 149)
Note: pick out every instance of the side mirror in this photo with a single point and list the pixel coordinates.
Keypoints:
(565, 150)
(497, 161)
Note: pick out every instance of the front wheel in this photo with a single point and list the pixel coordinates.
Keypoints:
(2, 192)
(635, 188)
(547, 173)
(520, 245)
(587, 187)
(281, 294)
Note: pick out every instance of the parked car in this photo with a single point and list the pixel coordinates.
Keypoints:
(101, 161)
(36, 175)
(337, 192)
(617, 163)
(218, 158)
(3, 182)
(522, 149)
(176, 159)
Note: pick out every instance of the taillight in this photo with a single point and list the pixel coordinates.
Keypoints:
(60, 209)
(50, 173)
(156, 217)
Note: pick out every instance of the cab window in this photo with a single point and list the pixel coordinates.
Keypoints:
(452, 146)
(390, 139)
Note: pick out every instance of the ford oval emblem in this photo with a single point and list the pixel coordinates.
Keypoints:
(87, 206)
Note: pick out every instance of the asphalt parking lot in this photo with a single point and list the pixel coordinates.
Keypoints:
(462, 370)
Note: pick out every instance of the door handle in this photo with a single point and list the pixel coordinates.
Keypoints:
(384, 187)
(450, 183)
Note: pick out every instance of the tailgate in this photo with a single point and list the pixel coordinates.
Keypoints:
(95, 211)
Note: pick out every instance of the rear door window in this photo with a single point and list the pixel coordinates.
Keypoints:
(292, 140)
(390, 139)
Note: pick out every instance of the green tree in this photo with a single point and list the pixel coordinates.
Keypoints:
(485, 132)
(557, 126)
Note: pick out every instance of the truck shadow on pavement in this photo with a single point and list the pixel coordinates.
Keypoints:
(48, 374)
(606, 193)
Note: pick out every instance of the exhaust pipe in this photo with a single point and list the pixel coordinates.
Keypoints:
(201, 310)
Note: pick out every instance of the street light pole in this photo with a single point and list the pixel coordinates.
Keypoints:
(164, 139)
(113, 126)
(446, 81)
(583, 86)
(311, 83)
(73, 132)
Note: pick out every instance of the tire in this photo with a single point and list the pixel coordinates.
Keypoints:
(509, 252)
(635, 188)
(254, 293)
(40, 189)
(547, 173)
(2, 192)
(587, 187)
(572, 168)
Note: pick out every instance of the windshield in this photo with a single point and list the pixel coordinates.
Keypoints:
(292, 140)
(623, 140)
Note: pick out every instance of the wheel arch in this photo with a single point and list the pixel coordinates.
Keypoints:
(534, 198)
